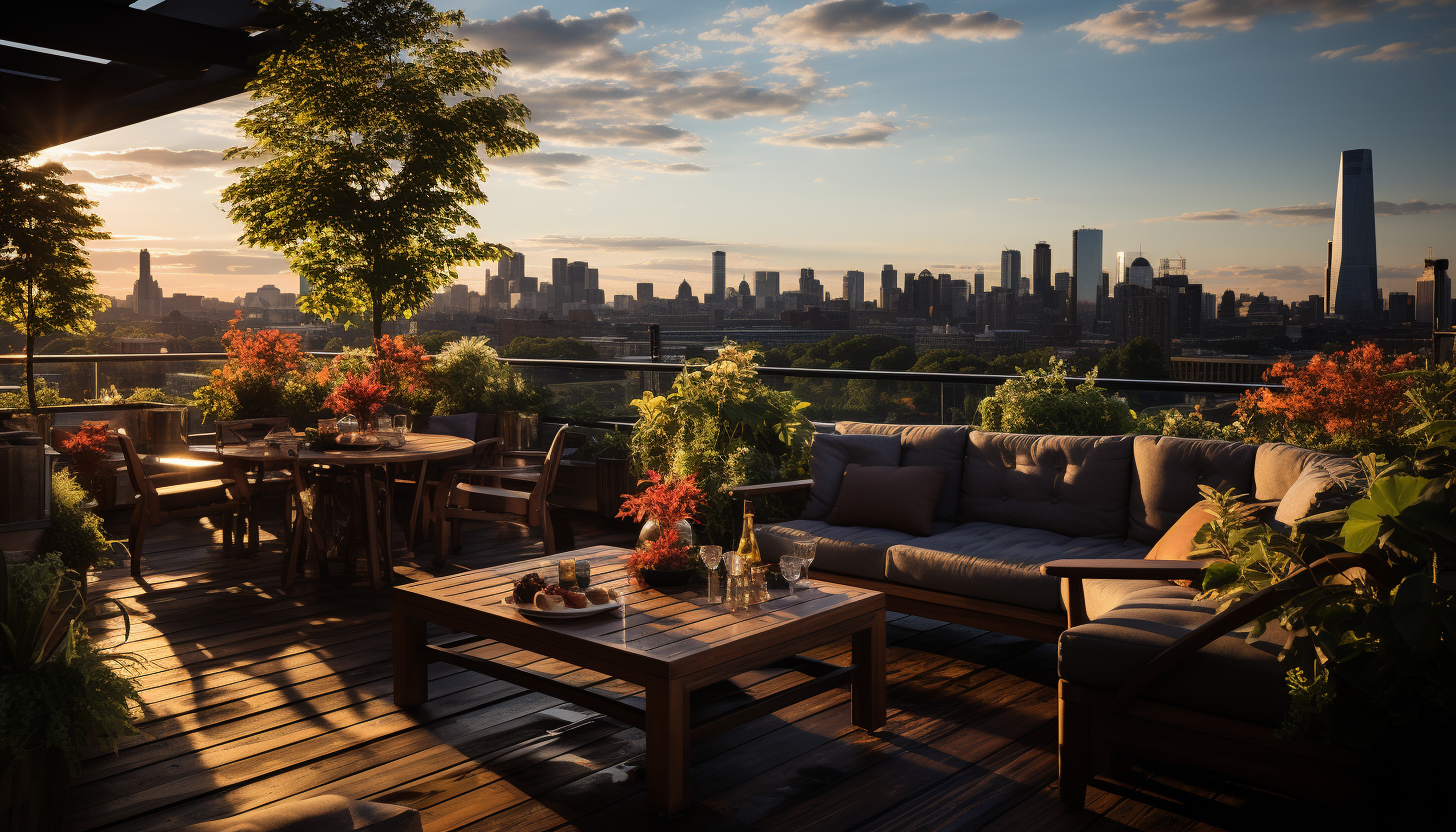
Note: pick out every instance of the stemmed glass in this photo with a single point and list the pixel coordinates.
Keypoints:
(711, 557)
(791, 567)
(804, 551)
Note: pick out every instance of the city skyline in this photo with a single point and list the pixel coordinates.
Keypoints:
(758, 131)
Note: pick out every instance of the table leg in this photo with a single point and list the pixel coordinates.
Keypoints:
(667, 746)
(371, 527)
(411, 680)
(867, 681)
(415, 510)
(388, 516)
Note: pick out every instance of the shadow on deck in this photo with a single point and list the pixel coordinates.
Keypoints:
(254, 697)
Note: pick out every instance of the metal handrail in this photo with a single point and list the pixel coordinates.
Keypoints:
(1116, 384)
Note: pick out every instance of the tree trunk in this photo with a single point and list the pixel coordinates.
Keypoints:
(378, 322)
(30, 371)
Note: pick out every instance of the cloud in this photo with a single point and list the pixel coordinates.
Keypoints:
(863, 130)
(1338, 53)
(659, 167)
(180, 262)
(1023, 199)
(564, 241)
(134, 182)
(585, 90)
(841, 25)
(1240, 15)
(156, 157)
(1118, 29)
(1393, 52)
(1441, 50)
(670, 264)
(740, 15)
(1307, 213)
(549, 170)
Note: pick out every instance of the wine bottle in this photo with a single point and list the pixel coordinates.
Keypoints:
(747, 542)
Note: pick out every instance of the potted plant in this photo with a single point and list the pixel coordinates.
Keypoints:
(614, 469)
(87, 449)
(360, 396)
(61, 692)
(663, 553)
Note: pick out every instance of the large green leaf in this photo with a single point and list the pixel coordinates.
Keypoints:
(1389, 496)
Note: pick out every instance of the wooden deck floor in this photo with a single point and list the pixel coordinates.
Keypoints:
(255, 697)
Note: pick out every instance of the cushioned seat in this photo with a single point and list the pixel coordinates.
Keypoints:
(326, 813)
(997, 563)
(201, 493)
(1230, 677)
(848, 550)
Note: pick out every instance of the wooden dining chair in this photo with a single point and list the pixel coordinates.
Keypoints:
(426, 502)
(500, 503)
(162, 496)
(308, 528)
(263, 483)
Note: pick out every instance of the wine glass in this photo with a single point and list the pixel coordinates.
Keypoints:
(804, 551)
(791, 567)
(711, 557)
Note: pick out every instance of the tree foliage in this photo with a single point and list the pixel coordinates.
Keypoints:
(368, 137)
(46, 284)
(525, 346)
(1042, 402)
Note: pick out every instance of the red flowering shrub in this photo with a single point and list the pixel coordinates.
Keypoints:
(400, 364)
(667, 502)
(358, 396)
(1344, 401)
(87, 448)
(267, 374)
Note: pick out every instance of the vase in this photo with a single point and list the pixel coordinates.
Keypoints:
(651, 531)
(666, 577)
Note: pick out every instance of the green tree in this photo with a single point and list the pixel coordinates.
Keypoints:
(1141, 358)
(525, 346)
(369, 135)
(46, 284)
(899, 358)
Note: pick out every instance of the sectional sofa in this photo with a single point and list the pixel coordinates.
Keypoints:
(1048, 538)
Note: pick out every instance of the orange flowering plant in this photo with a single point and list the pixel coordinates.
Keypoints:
(1352, 401)
(87, 448)
(667, 502)
(267, 373)
(397, 362)
(360, 396)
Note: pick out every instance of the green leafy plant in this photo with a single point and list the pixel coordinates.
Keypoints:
(46, 395)
(1042, 402)
(1174, 422)
(468, 376)
(721, 422)
(76, 532)
(59, 691)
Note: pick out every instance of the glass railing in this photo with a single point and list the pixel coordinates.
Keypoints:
(588, 392)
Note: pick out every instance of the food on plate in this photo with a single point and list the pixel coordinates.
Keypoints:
(597, 595)
(614, 595)
(575, 600)
(527, 587)
(548, 602)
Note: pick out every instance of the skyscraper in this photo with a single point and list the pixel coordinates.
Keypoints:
(146, 293)
(644, 292)
(854, 289)
(1041, 268)
(887, 277)
(1011, 269)
(1353, 289)
(810, 286)
(720, 276)
(766, 288)
(1433, 295)
(575, 283)
(1139, 272)
(512, 269)
(1086, 266)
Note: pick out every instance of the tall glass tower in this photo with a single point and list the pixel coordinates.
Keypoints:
(1086, 265)
(1353, 291)
(720, 277)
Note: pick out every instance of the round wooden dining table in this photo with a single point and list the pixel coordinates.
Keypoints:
(418, 448)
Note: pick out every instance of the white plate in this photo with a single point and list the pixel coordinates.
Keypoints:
(531, 610)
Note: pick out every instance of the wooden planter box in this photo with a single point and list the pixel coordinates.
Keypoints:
(33, 793)
(25, 486)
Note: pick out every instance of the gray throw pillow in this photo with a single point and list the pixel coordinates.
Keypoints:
(879, 497)
(461, 425)
(831, 453)
(1322, 486)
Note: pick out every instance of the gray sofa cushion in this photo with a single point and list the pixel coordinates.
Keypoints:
(1277, 465)
(1073, 485)
(1325, 484)
(325, 813)
(1103, 596)
(1167, 471)
(1229, 677)
(848, 550)
(831, 453)
(941, 445)
(997, 563)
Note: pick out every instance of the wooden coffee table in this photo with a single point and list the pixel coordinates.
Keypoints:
(666, 664)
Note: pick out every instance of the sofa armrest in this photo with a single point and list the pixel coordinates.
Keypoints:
(764, 489)
(1121, 569)
(1125, 569)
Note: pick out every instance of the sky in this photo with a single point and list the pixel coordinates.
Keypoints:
(848, 134)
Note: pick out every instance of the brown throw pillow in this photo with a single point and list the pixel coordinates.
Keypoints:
(1177, 542)
(886, 497)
